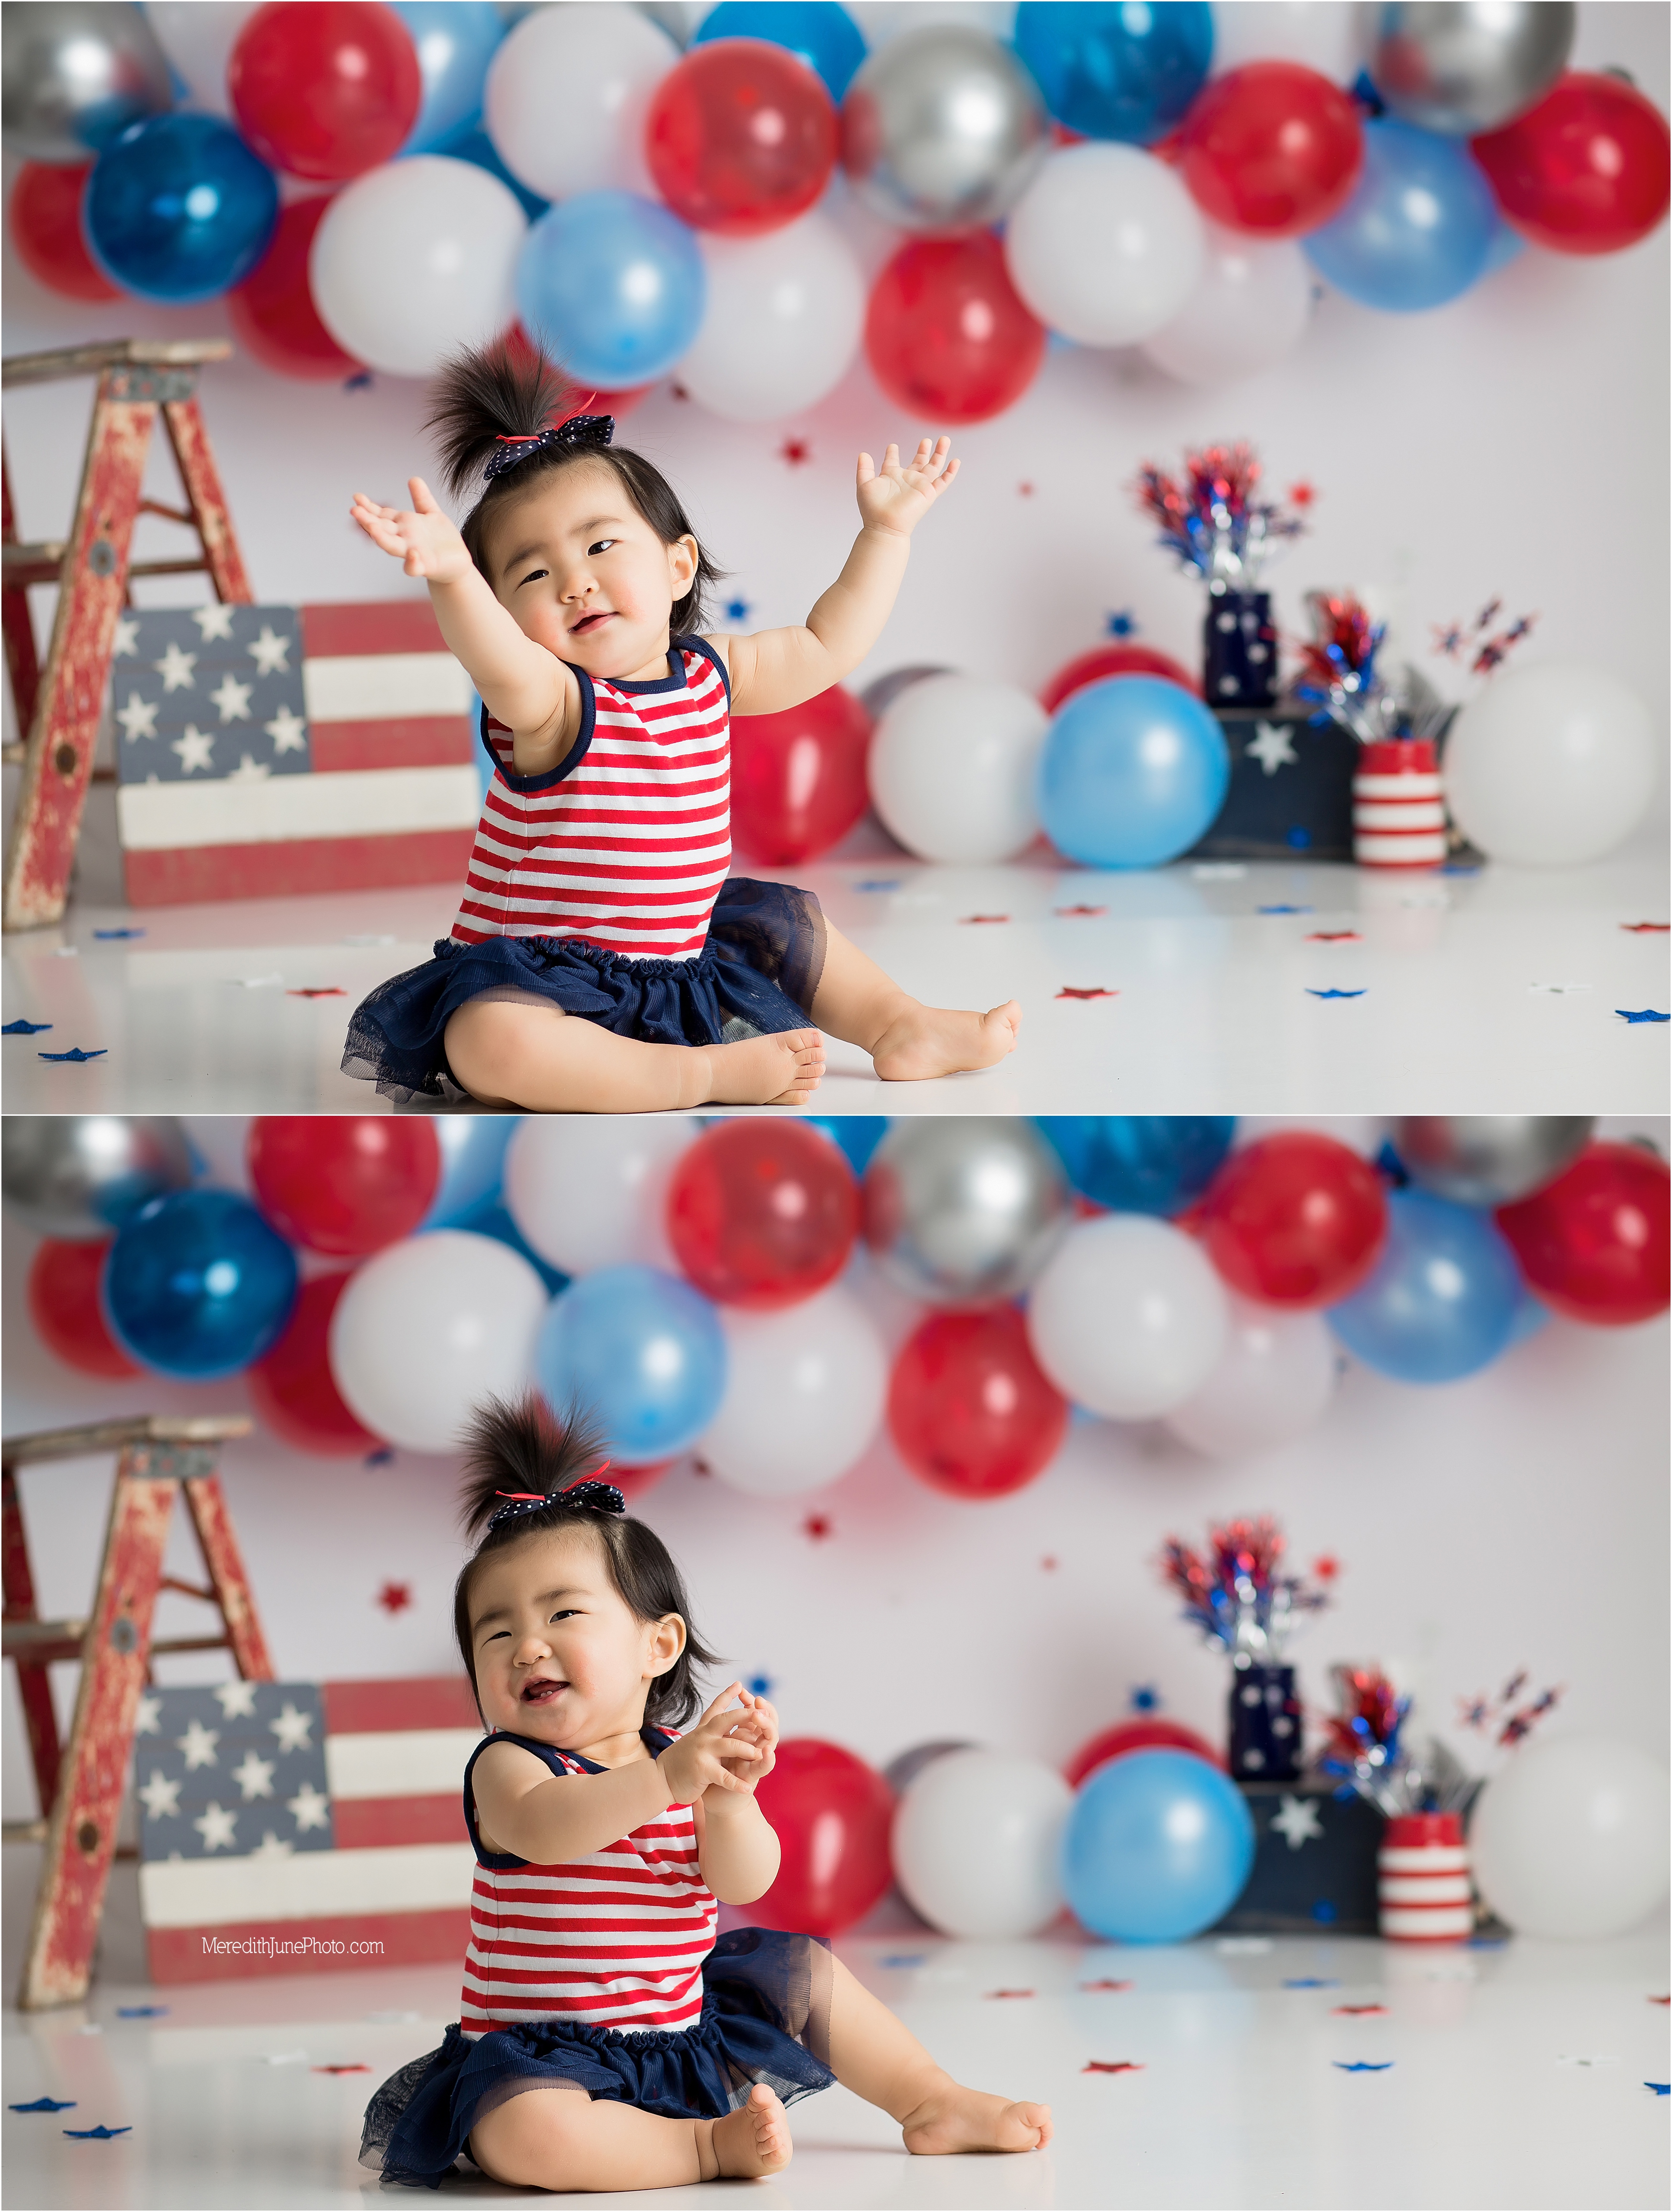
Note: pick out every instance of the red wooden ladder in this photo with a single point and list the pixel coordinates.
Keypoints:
(58, 707)
(81, 1784)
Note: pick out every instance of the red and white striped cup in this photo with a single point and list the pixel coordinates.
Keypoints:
(1422, 1879)
(1398, 804)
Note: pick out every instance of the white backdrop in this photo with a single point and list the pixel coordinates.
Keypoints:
(1513, 443)
(1516, 1518)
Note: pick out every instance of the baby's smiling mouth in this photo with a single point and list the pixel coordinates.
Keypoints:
(541, 1690)
(591, 622)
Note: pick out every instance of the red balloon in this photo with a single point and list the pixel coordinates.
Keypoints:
(1113, 660)
(1272, 148)
(347, 1184)
(1593, 1242)
(1136, 1736)
(1295, 1220)
(324, 88)
(63, 1305)
(741, 138)
(798, 778)
(291, 1387)
(45, 214)
(832, 1815)
(272, 312)
(1587, 171)
(945, 332)
(761, 1215)
(968, 1408)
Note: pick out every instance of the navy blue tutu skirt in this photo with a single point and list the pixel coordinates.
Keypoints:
(765, 2017)
(755, 976)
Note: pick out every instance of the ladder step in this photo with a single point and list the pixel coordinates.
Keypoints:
(27, 1636)
(23, 1832)
(44, 564)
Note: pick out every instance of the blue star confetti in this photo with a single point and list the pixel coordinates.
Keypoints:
(1122, 623)
(904, 1958)
(759, 1686)
(737, 609)
(878, 883)
(75, 1054)
(1145, 1699)
(360, 381)
(1324, 1911)
(118, 933)
(1285, 909)
(1641, 1014)
(1362, 2065)
(1310, 1982)
(141, 2012)
(21, 1028)
(97, 2135)
(1660, 2088)
(1311, 993)
(47, 2104)
(1388, 1165)
(381, 1457)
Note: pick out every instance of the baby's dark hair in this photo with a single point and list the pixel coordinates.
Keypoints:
(526, 1448)
(508, 390)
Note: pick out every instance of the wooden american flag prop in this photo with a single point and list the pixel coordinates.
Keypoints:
(283, 1823)
(261, 751)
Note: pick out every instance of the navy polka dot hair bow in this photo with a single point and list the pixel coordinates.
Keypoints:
(589, 1497)
(579, 430)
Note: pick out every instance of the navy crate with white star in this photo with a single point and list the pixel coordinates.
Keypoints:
(1291, 791)
(1314, 1868)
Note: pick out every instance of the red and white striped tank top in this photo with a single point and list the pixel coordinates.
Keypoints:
(613, 1939)
(627, 842)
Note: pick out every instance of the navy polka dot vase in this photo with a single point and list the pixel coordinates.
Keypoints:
(1265, 1723)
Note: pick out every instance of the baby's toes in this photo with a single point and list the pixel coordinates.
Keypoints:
(1032, 2122)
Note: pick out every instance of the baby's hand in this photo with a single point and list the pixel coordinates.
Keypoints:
(756, 1724)
(897, 498)
(709, 1757)
(422, 539)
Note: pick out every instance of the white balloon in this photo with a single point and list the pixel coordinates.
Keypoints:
(1127, 1317)
(198, 37)
(591, 1190)
(882, 22)
(1106, 245)
(1334, 37)
(803, 1398)
(429, 1330)
(415, 259)
(975, 1843)
(951, 768)
(1570, 1838)
(566, 97)
(782, 321)
(1552, 765)
(1274, 1380)
(1250, 309)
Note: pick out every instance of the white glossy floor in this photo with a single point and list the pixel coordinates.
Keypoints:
(1512, 2077)
(1494, 991)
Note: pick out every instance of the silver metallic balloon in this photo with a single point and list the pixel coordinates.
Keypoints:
(1468, 67)
(941, 130)
(964, 1211)
(1487, 1159)
(81, 1175)
(74, 73)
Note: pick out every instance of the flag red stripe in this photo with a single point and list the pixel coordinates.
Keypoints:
(363, 1824)
(405, 1701)
(412, 741)
(371, 626)
(183, 876)
(409, 1939)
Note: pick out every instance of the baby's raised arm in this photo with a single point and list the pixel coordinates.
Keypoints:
(776, 669)
(526, 686)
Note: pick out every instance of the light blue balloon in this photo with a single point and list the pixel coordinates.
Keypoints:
(1420, 228)
(1156, 1163)
(1112, 70)
(613, 287)
(198, 1285)
(817, 32)
(1158, 1846)
(856, 1136)
(1133, 771)
(1446, 1296)
(473, 1147)
(641, 1350)
(454, 41)
(179, 208)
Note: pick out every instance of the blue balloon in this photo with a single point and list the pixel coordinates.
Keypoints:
(1444, 1299)
(1420, 228)
(198, 1285)
(613, 287)
(855, 1135)
(454, 41)
(179, 208)
(1507, 245)
(1110, 70)
(479, 150)
(1140, 1163)
(1158, 1847)
(641, 1350)
(473, 1149)
(817, 32)
(1133, 771)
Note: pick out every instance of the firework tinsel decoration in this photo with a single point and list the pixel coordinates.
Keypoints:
(1476, 647)
(1238, 1594)
(1503, 1719)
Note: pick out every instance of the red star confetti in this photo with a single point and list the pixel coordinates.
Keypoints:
(1068, 991)
(1106, 1985)
(795, 451)
(1332, 936)
(1049, 1563)
(1301, 495)
(319, 991)
(700, 1467)
(677, 391)
(1665, 2001)
(983, 917)
(340, 2070)
(1358, 2012)
(1111, 2066)
(1010, 1993)
(1645, 928)
(395, 1597)
(1326, 1566)
(818, 1525)
(1065, 911)
(1026, 490)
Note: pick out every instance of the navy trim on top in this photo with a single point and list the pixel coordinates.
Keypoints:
(702, 646)
(571, 760)
(676, 678)
(657, 1739)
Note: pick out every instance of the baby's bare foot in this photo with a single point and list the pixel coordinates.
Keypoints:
(782, 1070)
(964, 2119)
(755, 2138)
(927, 1041)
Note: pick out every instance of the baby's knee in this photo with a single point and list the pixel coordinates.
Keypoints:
(484, 1042)
(530, 2141)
